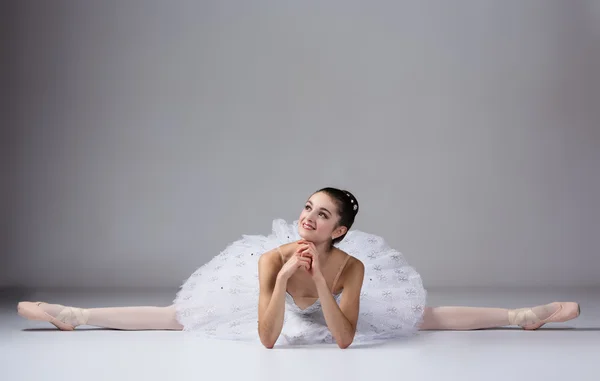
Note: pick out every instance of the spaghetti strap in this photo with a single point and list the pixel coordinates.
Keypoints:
(337, 276)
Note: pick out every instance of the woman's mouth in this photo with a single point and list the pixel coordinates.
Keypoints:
(307, 226)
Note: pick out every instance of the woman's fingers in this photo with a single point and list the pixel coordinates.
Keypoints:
(301, 249)
(305, 261)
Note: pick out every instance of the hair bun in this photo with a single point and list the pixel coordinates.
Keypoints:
(353, 201)
(346, 205)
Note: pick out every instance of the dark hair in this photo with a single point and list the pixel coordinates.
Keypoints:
(347, 207)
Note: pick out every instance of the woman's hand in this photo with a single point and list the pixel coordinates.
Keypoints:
(293, 264)
(308, 249)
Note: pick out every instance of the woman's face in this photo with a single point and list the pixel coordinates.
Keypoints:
(319, 218)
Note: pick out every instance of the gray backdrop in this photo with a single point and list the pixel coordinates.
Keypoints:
(144, 136)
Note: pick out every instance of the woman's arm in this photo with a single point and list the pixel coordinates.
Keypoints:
(271, 299)
(273, 276)
(342, 319)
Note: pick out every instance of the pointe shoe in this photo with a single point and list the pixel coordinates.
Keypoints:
(527, 319)
(33, 311)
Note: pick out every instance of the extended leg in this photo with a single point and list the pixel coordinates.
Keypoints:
(125, 318)
(463, 318)
(469, 318)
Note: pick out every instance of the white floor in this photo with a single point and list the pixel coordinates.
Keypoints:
(37, 351)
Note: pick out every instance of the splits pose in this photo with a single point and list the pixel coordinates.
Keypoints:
(310, 281)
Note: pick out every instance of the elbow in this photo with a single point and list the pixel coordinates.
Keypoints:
(345, 342)
(269, 344)
(266, 340)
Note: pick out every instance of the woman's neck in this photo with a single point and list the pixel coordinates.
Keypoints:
(325, 249)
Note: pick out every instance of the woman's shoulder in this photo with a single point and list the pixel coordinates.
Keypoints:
(353, 266)
(287, 250)
(349, 257)
(280, 254)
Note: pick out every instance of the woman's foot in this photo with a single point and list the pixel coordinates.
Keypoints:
(534, 318)
(63, 317)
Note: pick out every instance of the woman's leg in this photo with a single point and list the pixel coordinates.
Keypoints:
(463, 318)
(469, 318)
(125, 318)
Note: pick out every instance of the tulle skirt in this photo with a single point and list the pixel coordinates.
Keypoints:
(220, 299)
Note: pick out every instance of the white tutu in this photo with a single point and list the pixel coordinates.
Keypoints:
(220, 299)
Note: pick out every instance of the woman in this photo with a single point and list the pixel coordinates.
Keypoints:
(314, 280)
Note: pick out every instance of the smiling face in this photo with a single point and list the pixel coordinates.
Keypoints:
(319, 219)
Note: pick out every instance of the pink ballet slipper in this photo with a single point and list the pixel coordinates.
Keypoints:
(33, 311)
(527, 319)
